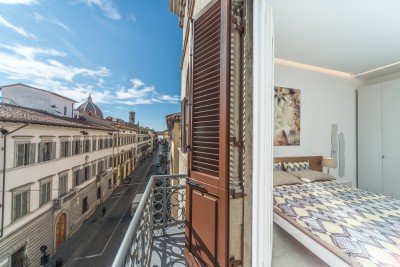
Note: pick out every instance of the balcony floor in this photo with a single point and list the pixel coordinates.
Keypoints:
(168, 251)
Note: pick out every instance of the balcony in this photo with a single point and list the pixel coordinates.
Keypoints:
(155, 236)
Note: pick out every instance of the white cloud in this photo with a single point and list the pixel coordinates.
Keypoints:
(107, 6)
(38, 66)
(23, 64)
(33, 52)
(39, 17)
(16, 2)
(139, 94)
(17, 29)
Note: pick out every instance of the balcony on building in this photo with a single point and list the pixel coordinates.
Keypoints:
(155, 236)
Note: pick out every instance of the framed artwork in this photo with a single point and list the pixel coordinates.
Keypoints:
(287, 117)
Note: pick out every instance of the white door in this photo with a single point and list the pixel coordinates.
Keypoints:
(370, 138)
(391, 138)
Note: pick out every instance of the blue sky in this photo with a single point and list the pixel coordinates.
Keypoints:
(126, 53)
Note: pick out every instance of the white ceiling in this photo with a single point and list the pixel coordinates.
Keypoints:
(352, 36)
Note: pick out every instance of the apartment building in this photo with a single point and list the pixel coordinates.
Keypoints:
(125, 151)
(56, 172)
(32, 97)
(174, 128)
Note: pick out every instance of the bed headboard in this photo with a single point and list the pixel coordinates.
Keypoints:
(315, 161)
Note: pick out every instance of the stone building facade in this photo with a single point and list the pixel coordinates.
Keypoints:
(57, 171)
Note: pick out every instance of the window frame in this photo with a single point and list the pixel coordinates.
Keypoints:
(85, 205)
(27, 155)
(20, 191)
(60, 177)
(48, 183)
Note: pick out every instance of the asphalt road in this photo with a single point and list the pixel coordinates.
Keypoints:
(97, 241)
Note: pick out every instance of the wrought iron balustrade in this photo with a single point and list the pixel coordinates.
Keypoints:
(161, 212)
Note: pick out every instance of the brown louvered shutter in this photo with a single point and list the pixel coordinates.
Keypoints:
(207, 186)
(206, 92)
(184, 124)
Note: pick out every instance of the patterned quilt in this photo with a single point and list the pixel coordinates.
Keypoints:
(364, 225)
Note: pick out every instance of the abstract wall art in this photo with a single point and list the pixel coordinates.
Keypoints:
(287, 117)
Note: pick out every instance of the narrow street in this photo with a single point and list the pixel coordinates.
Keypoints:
(96, 243)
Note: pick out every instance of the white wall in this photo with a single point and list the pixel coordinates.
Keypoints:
(325, 99)
(38, 99)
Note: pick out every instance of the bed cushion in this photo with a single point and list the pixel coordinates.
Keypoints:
(310, 176)
(296, 166)
(284, 178)
(278, 166)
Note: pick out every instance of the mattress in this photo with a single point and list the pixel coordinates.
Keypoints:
(361, 227)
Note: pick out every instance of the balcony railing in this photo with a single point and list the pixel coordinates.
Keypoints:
(161, 212)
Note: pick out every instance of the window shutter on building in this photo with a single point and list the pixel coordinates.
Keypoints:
(53, 150)
(63, 149)
(207, 210)
(184, 124)
(32, 153)
(41, 151)
(208, 94)
(19, 152)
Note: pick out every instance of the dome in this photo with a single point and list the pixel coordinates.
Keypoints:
(90, 108)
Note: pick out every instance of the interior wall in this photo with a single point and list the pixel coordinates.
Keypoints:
(325, 99)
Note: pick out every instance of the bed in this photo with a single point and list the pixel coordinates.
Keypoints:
(343, 226)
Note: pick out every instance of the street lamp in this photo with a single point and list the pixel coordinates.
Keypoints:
(45, 256)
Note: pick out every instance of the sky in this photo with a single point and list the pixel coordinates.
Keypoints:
(125, 53)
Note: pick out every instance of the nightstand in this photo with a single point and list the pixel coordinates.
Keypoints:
(344, 182)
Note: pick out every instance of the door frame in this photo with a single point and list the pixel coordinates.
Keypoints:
(263, 110)
(56, 228)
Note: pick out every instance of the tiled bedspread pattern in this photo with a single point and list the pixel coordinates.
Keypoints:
(366, 226)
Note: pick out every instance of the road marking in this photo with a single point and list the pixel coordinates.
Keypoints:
(129, 204)
(88, 257)
(101, 253)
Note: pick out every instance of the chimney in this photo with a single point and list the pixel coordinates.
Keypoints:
(132, 117)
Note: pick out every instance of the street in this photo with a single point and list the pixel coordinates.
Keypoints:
(97, 242)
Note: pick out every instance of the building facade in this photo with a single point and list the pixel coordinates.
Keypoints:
(32, 97)
(174, 128)
(56, 170)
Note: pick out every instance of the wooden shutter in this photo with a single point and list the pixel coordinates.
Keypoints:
(184, 124)
(53, 150)
(208, 95)
(32, 153)
(19, 153)
(207, 187)
(41, 150)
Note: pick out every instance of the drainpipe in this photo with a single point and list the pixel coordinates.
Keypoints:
(5, 133)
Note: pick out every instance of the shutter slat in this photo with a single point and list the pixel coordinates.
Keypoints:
(213, 63)
(202, 29)
(206, 87)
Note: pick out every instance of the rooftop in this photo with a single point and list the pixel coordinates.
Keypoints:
(35, 88)
(18, 114)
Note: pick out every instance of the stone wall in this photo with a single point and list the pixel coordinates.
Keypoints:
(77, 217)
(33, 236)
